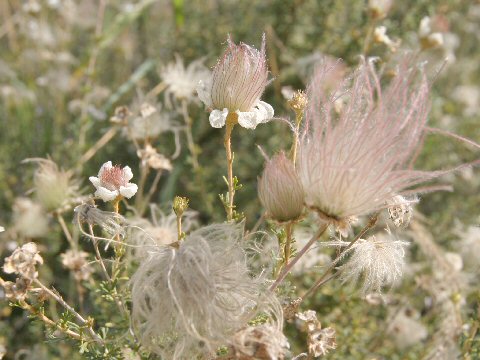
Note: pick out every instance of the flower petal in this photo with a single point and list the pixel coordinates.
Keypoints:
(105, 194)
(127, 173)
(107, 165)
(248, 119)
(218, 117)
(95, 181)
(129, 190)
(266, 110)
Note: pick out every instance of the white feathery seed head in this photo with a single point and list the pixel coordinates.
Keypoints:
(377, 261)
(190, 300)
(236, 85)
(53, 186)
(160, 230)
(353, 162)
(280, 189)
(182, 80)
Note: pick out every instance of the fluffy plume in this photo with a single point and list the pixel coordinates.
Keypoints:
(53, 186)
(190, 300)
(280, 190)
(146, 235)
(379, 259)
(236, 85)
(352, 162)
(182, 80)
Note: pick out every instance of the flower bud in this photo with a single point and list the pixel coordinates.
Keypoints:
(280, 189)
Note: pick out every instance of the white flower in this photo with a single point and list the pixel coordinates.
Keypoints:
(112, 182)
(2, 229)
(379, 259)
(236, 85)
(182, 81)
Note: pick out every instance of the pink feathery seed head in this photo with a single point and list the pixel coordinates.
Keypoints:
(353, 160)
(239, 77)
(113, 178)
(280, 189)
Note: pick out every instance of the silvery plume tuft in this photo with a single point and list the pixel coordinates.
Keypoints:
(191, 300)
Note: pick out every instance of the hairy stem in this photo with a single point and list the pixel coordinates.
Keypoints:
(232, 119)
(80, 318)
(287, 251)
(298, 121)
(288, 268)
(40, 315)
(188, 131)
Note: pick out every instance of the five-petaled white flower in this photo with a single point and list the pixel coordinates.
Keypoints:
(112, 182)
(236, 85)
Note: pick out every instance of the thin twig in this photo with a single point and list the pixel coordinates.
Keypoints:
(371, 223)
(56, 296)
(286, 269)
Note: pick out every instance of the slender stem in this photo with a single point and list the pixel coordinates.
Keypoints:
(48, 321)
(99, 256)
(144, 170)
(179, 227)
(188, 131)
(323, 279)
(79, 317)
(232, 119)
(151, 191)
(118, 244)
(64, 227)
(298, 121)
(286, 269)
(288, 244)
(98, 145)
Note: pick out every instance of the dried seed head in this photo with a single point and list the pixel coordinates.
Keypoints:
(280, 190)
(263, 342)
(77, 262)
(23, 261)
(18, 290)
(400, 210)
(320, 341)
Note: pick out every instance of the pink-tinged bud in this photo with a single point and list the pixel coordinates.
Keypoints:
(236, 85)
(280, 189)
